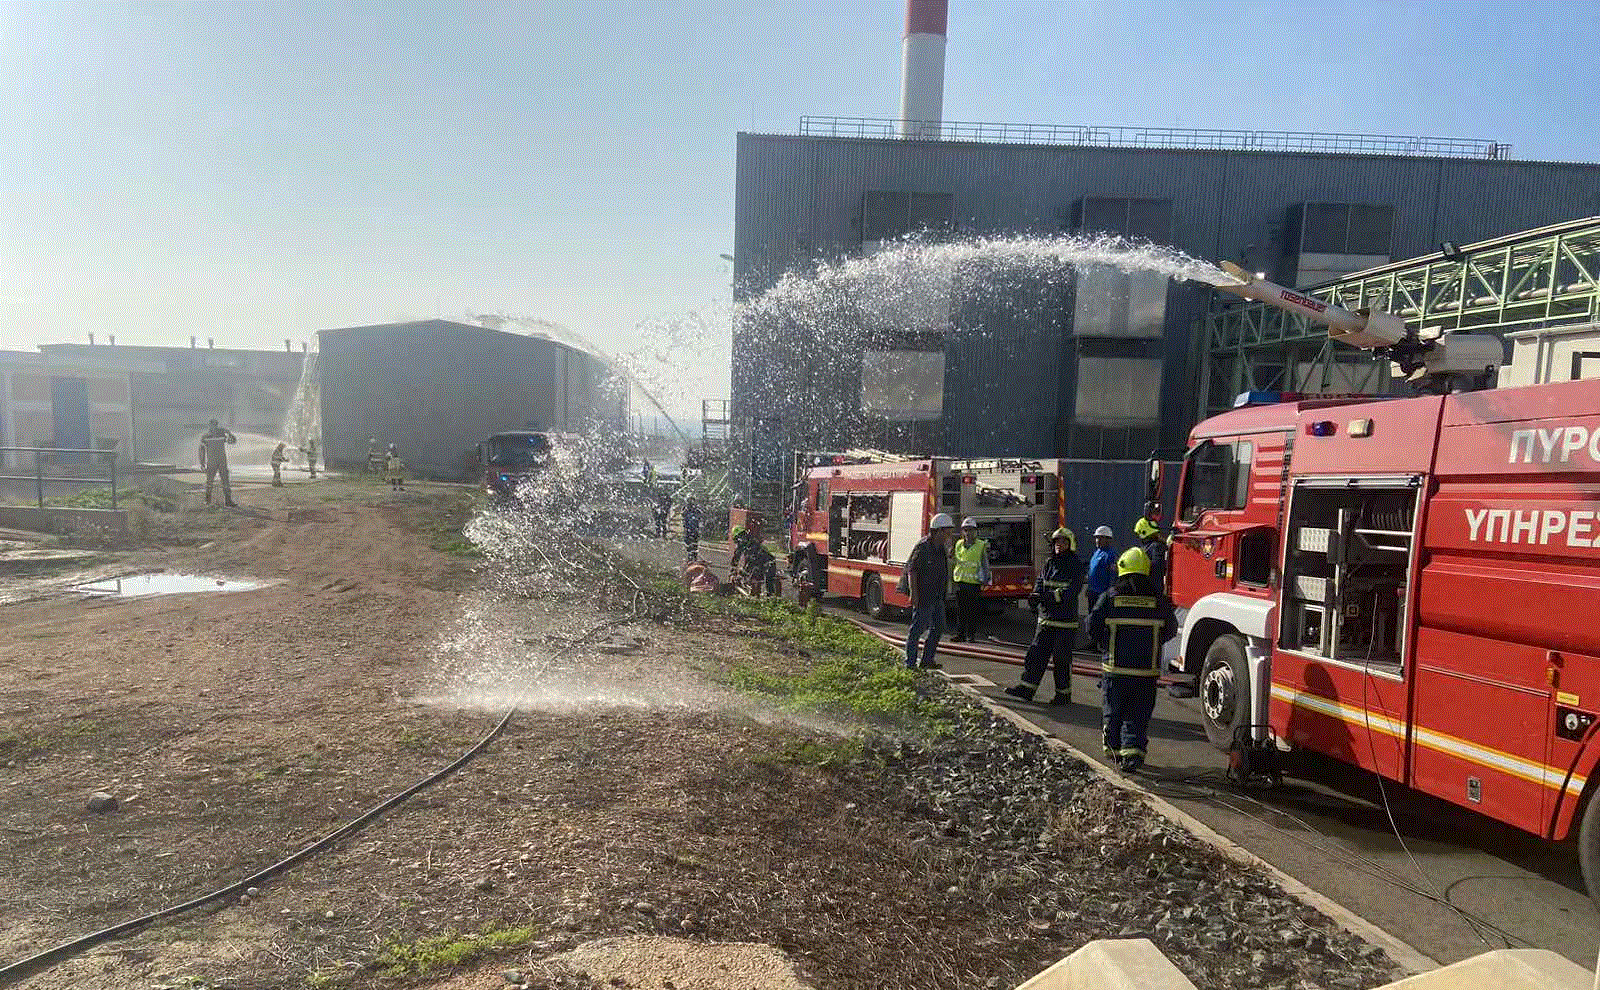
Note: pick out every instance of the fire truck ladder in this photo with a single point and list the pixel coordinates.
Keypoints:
(1549, 277)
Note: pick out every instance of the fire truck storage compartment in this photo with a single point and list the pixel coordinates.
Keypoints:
(1010, 541)
(905, 521)
(1349, 554)
(864, 525)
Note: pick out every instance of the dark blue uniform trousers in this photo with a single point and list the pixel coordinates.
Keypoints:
(1128, 702)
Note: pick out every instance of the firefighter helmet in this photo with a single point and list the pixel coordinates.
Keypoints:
(1106, 532)
(1144, 528)
(969, 523)
(941, 521)
(1133, 561)
(1065, 534)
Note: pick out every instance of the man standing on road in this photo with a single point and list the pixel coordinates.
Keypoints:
(1130, 623)
(1102, 566)
(1055, 595)
(971, 573)
(691, 529)
(663, 512)
(926, 575)
(214, 449)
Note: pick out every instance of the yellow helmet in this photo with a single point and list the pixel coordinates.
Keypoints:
(1134, 561)
(1065, 534)
(1144, 528)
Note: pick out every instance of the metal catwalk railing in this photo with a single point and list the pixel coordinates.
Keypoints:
(1152, 137)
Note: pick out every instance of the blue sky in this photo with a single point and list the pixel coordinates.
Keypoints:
(256, 172)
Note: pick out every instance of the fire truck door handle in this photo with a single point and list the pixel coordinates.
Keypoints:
(1222, 568)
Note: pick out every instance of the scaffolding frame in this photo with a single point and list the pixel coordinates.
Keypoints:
(1538, 278)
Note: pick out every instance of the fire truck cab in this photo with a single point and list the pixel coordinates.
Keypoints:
(864, 518)
(1409, 586)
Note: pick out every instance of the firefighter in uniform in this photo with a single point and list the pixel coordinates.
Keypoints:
(280, 457)
(1055, 595)
(1148, 532)
(394, 469)
(1130, 623)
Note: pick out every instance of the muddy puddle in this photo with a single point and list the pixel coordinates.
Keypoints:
(145, 585)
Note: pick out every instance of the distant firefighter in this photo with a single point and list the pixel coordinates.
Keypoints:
(310, 450)
(279, 457)
(214, 459)
(374, 459)
(394, 469)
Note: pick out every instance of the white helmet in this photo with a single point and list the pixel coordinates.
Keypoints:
(1105, 531)
(969, 523)
(941, 521)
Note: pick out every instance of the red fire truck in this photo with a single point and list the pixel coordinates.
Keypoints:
(864, 518)
(1409, 586)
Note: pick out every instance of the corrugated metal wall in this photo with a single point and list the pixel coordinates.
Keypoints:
(436, 389)
(1109, 493)
(798, 199)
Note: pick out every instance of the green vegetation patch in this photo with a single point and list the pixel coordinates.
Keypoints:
(819, 632)
(24, 741)
(823, 754)
(127, 498)
(441, 953)
(852, 673)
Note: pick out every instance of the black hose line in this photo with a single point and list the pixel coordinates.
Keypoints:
(13, 972)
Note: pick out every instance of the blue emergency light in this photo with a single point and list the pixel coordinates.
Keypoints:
(1264, 398)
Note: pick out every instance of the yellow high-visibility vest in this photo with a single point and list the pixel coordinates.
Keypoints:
(969, 561)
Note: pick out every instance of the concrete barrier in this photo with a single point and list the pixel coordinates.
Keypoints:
(1136, 964)
(1112, 964)
(1504, 969)
(106, 522)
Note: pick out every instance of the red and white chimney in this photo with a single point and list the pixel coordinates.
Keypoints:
(922, 69)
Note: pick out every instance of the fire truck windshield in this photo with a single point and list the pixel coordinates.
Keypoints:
(518, 450)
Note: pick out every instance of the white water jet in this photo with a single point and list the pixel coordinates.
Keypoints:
(914, 273)
(302, 422)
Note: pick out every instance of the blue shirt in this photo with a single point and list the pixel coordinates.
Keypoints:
(1102, 571)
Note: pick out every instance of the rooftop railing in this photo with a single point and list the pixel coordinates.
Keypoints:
(889, 128)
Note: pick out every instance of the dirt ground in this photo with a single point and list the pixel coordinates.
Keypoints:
(630, 797)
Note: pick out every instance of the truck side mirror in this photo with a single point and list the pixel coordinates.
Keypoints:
(1155, 472)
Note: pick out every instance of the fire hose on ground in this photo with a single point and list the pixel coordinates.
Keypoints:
(13, 972)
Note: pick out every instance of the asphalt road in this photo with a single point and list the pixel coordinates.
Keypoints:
(1458, 885)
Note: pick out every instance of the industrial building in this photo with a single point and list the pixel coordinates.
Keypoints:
(167, 394)
(65, 401)
(437, 388)
(1102, 364)
(1099, 363)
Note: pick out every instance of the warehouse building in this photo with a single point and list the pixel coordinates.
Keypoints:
(172, 392)
(1099, 363)
(79, 402)
(437, 388)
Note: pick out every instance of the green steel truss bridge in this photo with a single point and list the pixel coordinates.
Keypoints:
(1539, 278)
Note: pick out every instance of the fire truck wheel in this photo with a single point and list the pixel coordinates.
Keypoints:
(872, 597)
(1224, 690)
(1589, 848)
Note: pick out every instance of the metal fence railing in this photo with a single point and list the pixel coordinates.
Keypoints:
(59, 459)
(1153, 137)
